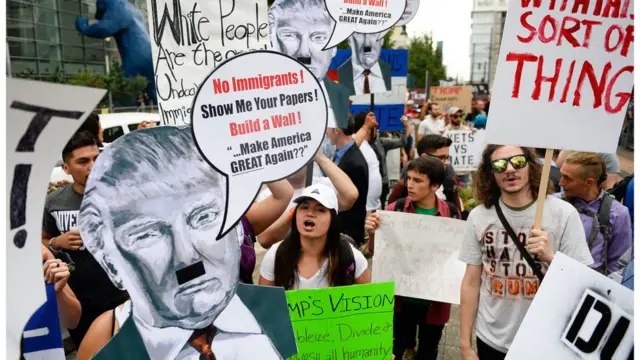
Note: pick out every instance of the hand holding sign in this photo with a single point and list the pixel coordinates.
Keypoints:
(258, 117)
(363, 16)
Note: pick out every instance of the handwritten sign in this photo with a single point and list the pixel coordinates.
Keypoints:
(466, 150)
(449, 96)
(563, 66)
(41, 117)
(343, 323)
(420, 254)
(191, 37)
(577, 313)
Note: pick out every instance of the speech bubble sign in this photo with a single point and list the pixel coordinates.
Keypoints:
(362, 16)
(409, 12)
(257, 118)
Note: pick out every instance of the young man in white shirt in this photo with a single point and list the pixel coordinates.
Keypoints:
(433, 123)
(499, 283)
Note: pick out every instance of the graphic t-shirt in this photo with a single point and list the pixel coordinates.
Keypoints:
(508, 283)
(88, 280)
(423, 211)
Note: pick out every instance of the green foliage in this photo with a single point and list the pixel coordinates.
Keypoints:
(423, 56)
(466, 195)
(124, 90)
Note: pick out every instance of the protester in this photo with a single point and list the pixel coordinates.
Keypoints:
(349, 159)
(478, 109)
(454, 116)
(381, 145)
(57, 272)
(314, 255)
(498, 287)
(433, 123)
(611, 161)
(93, 126)
(61, 235)
(480, 122)
(606, 222)
(346, 191)
(425, 176)
(435, 146)
(373, 160)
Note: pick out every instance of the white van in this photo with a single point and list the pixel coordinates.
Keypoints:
(113, 125)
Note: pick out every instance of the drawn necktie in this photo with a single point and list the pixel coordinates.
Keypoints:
(201, 341)
(366, 81)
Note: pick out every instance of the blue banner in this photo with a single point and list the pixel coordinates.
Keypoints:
(388, 116)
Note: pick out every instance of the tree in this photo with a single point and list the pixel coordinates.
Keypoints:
(423, 57)
(124, 91)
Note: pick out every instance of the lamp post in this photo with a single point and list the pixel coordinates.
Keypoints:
(107, 63)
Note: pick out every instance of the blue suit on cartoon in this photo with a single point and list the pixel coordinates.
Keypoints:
(126, 24)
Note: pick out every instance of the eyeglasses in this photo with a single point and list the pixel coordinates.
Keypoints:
(517, 161)
(442, 158)
(456, 116)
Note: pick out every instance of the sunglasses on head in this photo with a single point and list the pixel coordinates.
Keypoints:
(500, 165)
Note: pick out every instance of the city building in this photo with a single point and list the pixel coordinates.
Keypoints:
(399, 37)
(487, 25)
(42, 39)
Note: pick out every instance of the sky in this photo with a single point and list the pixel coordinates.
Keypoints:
(448, 21)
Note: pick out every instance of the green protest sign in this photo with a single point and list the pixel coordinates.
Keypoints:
(343, 323)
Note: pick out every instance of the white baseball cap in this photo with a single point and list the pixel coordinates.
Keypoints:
(321, 193)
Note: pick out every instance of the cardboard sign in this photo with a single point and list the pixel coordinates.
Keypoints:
(465, 152)
(422, 266)
(449, 96)
(563, 69)
(577, 314)
(161, 247)
(192, 37)
(343, 323)
(259, 117)
(41, 117)
(388, 106)
(363, 17)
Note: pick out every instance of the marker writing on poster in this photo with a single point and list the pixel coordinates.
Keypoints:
(578, 28)
(191, 37)
(21, 172)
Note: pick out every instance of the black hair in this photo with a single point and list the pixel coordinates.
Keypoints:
(429, 107)
(290, 250)
(350, 130)
(79, 140)
(431, 143)
(432, 167)
(92, 125)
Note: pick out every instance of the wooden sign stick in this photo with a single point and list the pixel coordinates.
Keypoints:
(542, 190)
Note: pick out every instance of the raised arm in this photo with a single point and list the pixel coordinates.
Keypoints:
(393, 143)
(362, 134)
(347, 191)
(57, 272)
(264, 213)
(109, 25)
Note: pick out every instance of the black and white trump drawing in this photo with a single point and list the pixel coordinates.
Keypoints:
(150, 215)
(301, 29)
(364, 72)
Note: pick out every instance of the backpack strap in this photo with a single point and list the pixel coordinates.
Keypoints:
(453, 211)
(400, 204)
(347, 259)
(604, 220)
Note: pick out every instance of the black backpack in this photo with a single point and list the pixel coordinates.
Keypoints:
(347, 260)
(453, 210)
(601, 223)
(619, 190)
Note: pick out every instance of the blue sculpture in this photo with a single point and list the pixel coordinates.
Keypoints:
(126, 24)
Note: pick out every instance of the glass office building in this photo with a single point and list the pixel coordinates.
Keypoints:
(41, 38)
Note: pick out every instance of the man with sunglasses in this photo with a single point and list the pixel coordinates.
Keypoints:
(455, 115)
(504, 271)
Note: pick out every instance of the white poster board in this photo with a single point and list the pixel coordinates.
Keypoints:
(576, 314)
(466, 149)
(557, 76)
(189, 38)
(41, 117)
(393, 164)
(420, 254)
